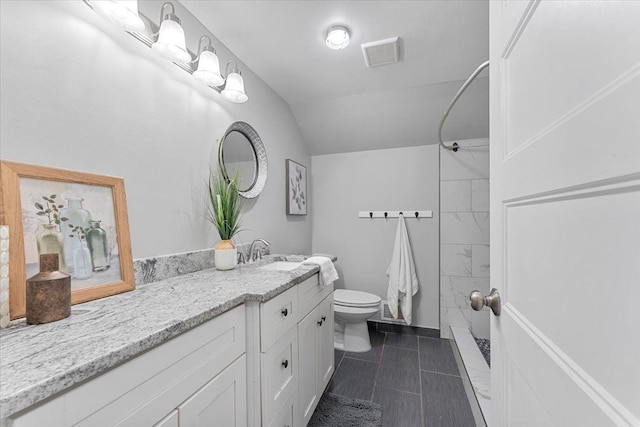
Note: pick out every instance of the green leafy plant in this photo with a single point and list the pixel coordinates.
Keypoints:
(78, 231)
(224, 205)
(51, 211)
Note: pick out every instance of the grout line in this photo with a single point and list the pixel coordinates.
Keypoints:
(375, 382)
(421, 391)
(400, 391)
(441, 373)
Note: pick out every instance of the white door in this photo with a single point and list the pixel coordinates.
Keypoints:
(565, 212)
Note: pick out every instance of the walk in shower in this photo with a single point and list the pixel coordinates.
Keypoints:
(464, 255)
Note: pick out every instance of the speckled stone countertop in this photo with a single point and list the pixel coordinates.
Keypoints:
(39, 361)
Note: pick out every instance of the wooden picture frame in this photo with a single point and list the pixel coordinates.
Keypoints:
(25, 189)
(297, 196)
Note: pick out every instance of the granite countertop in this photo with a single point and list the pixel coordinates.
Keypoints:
(38, 361)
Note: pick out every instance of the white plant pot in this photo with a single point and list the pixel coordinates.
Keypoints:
(225, 259)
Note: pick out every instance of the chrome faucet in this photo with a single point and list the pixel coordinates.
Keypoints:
(253, 254)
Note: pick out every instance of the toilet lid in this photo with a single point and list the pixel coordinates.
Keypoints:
(355, 298)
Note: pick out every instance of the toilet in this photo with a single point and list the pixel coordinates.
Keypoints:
(351, 311)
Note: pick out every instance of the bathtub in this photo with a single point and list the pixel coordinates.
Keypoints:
(475, 373)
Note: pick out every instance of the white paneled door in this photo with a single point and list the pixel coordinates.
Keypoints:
(565, 212)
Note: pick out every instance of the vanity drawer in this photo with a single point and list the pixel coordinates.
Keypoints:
(310, 294)
(279, 375)
(277, 316)
(284, 418)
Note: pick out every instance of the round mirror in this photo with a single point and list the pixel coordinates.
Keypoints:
(241, 151)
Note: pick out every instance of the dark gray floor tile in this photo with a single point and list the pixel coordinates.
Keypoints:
(399, 370)
(407, 330)
(337, 357)
(399, 408)
(373, 355)
(445, 401)
(354, 378)
(402, 341)
(436, 355)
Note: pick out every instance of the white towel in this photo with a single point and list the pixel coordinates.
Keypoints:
(328, 273)
(403, 281)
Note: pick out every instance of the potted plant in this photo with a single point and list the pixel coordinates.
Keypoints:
(224, 213)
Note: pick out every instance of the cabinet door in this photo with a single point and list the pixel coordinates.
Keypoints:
(308, 361)
(324, 344)
(221, 402)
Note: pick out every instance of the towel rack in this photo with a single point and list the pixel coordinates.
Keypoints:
(395, 214)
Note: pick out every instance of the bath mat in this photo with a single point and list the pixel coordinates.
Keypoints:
(339, 411)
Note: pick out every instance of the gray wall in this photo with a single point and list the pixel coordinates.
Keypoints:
(464, 235)
(392, 179)
(80, 94)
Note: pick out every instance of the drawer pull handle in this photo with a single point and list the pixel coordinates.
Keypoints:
(285, 364)
(284, 312)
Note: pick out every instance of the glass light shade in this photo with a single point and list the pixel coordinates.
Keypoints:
(209, 69)
(337, 37)
(123, 13)
(171, 42)
(234, 89)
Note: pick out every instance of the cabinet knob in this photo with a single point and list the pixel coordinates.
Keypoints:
(285, 312)
(320, 322)
(324, 318)
(285, 364)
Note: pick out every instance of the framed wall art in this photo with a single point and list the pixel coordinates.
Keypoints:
(297, 196)
(80, 216)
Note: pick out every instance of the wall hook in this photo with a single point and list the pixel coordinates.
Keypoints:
(371, 215)
(416, 214)
(385, 214)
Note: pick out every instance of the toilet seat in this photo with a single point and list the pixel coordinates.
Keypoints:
(348, 298)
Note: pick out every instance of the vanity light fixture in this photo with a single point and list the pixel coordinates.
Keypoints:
(337, 37)
(208, 70)
(234, 89)
(123, 13)
(171, 42)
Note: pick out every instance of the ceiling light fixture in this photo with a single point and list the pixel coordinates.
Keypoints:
(208, 70)
(123, 13)
(171, 42)
(337, 37)
(234, 89)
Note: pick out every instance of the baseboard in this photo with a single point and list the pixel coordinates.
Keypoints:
(381, 326)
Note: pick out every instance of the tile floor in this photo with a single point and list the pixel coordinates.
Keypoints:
(414, 377)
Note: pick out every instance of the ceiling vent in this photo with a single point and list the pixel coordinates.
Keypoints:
(380, 52)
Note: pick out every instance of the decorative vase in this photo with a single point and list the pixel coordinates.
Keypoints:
(75, 215)
(51, 241)
(83, 269)
(225, 255)
(48, 296)
(97, 242)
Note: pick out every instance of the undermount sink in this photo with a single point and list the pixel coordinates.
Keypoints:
(281, 265)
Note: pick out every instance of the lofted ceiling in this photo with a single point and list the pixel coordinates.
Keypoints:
(340, 104)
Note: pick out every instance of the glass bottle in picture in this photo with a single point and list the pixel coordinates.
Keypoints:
(76, 215)
(83, 268)
(97, 241)
(51, 241)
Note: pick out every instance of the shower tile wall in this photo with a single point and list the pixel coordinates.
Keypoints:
(464, 235)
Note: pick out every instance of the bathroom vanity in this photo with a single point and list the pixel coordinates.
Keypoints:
(252, 346)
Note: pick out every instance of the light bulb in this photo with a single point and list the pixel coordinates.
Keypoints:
(337, 37)
(123, 13)
(234, 89)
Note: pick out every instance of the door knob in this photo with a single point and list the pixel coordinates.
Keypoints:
(492, 301)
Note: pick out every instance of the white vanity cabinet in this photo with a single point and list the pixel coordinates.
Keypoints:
(316, 357)
(190, 380)
(297, 358)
